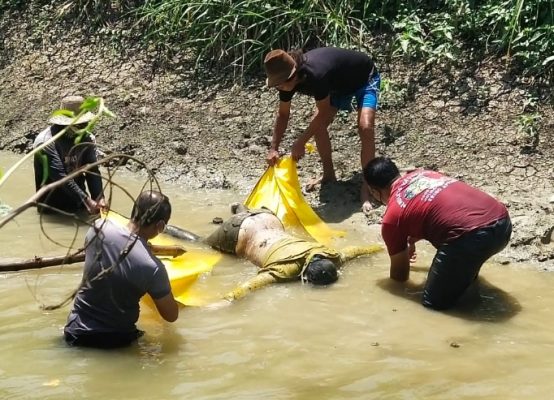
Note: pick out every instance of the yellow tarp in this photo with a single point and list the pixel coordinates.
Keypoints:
(279, 190)
(182, 270)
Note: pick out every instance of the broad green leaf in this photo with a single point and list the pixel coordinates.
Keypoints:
(45, 169)
(90, 104)
(65, 113)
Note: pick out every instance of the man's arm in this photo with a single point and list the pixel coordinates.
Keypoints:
(259, 281)
(400, 266)
(93, 176)
(167, 307)
(321, 119)
(351, 252)
(281, 123)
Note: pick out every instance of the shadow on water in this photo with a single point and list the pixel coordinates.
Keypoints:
(482, 301)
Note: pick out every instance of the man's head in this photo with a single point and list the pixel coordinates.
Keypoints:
(320, 271)
(279, 67)
(379, 174)
(151, 213)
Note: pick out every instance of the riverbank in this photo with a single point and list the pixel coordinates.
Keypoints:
(208, 132)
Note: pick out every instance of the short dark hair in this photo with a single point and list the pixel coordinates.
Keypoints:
(151, 207)
(380, 172)
(320, 271)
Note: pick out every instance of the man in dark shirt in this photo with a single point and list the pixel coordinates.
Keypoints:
(464, 224)
(62, 157)
(333, 77)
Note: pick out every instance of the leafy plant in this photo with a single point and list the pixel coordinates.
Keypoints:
(239, 33)
(528, 128)
(236, 34)
(391, 94)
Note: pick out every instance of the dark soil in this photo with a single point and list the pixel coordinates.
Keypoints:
(205, 132)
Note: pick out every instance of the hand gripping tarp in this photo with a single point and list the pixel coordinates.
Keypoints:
(279, 190)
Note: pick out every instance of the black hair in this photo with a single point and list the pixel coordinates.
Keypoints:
(320, 271)
(151, 207)
(298, 57)
(380, 172)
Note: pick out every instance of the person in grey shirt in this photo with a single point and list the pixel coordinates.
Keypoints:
(119, 269)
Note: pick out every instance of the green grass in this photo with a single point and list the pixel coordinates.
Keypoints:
(236, 34)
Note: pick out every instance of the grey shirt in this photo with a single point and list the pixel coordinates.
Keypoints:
(111, 303)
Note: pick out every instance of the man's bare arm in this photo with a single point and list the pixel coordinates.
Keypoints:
(167, 307)
(400, 266)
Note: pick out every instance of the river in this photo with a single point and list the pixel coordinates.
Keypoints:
(357, 339)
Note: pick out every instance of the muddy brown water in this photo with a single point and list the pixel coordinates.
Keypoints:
(360, 338)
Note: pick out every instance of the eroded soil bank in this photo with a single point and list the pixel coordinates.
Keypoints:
(206, 132)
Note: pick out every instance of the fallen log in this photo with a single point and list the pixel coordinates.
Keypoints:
(40, 262)
(79, 256)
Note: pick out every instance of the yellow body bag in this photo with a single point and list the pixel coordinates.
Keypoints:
(279, 191)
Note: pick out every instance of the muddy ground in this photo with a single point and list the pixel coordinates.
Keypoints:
(213, 132)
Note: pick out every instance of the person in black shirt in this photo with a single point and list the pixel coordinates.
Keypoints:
(333, 77)
(63, 157)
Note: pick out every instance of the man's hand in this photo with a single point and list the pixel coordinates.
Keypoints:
(94, 207)
(298, 150)
(272, 157)
(102, 204)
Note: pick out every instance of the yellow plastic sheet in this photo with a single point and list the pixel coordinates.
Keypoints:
(183, 270)
(279, 190)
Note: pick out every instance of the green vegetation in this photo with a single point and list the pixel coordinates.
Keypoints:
(237, 33)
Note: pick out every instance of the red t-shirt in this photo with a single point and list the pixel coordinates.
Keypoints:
(428, 205)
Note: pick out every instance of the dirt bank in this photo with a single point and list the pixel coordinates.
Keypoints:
(204, 132)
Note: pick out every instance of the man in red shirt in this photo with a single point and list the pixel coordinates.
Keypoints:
(464, 224)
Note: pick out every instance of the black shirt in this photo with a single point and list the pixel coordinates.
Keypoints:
(64, 158)
(330, 70)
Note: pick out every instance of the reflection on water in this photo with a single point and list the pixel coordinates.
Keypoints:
(361, 338)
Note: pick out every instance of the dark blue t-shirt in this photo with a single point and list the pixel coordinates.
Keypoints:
(111, 303)
(330, 70)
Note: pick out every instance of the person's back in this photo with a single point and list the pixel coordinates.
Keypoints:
(466, 225)
(119, 270)
(431, 206)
